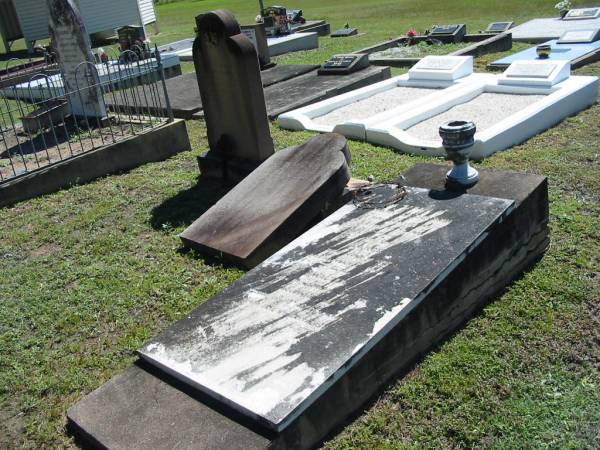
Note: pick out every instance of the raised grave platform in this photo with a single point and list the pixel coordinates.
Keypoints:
(185, 96)
(292, 350)
(578, 47)
(507, 109)
(352, 113)
(541, 30)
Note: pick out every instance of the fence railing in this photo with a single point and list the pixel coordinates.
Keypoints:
(42, 123)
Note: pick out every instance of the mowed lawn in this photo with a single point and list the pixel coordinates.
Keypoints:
(88, 274)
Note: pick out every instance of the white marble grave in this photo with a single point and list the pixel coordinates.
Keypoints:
(352, 113)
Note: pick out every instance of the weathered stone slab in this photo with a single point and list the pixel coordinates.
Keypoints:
(232, 96)
(275, 203)
(122, 414)
(75, 59)
(270, 344)
(312, 87)
(184, 94)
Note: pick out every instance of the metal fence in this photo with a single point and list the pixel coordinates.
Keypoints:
(41, 123)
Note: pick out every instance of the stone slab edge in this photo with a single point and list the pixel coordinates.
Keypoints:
(153, 145)
(511, 248)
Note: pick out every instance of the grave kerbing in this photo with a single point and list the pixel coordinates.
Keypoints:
(76, 61)
(230, 85)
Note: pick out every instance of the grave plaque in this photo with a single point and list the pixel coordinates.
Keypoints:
(449, 33)
(499, 27)
(582, 13)
(437, 63)
(230, 85)
(76, 61)
(444, 29)
(528, 70)
(275, 203)
(579, 37)
(276, 340)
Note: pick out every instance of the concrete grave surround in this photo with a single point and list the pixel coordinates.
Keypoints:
(275, 203)
(507, 109)
(541, 30)
(230, 85)
(143, 407)
(273, 342)
(573, 47)
(75, 59)
(352, 113)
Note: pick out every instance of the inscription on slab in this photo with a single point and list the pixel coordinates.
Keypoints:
(582, 13)
(276, 339)
(439, 63)
(77, 63)
(528, 70)
(579, 36)
(444, 29)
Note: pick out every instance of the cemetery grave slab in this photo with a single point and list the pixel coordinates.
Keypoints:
(275, 203)
(185, 96)
(466, 256)
(578, 47)
(312, 87)
(541, 30)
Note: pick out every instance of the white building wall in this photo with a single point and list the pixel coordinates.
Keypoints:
(98, 15)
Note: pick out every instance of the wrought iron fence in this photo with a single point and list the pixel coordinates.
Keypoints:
(41, 122)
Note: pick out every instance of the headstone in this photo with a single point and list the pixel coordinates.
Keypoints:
(582, 14)
(435, 67)
(449, 33)
(275, 203)
(257, 35)
(272, 343)
(580, 37)
(499, 27)
(76, 61)
(232, 96)
(344, 64)
(522, 70)
(535, 73)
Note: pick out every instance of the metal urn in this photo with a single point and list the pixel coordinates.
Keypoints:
(457, 139)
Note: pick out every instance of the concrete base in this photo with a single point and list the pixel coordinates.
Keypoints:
(153, 145)
(144, 408)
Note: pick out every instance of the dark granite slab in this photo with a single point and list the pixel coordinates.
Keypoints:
(273, 342)
(123, 413)
(184, 94)
(312, 87)
(275, 203)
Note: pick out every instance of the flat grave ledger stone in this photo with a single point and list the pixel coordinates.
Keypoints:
(578, 47)
(77, 63)
(275, 203)
(312, 87)
(542, 30)
(230, 85)
(272, 343)
(184, 94)
(144, 407)
(582, 14)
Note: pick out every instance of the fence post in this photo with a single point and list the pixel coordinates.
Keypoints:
(161, 74)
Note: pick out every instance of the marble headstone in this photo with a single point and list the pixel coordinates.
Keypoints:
(76, 61)
(232, 96)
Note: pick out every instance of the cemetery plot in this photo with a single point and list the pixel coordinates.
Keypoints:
(541, 30)
(507, 110)
(576, 47)
(351, 113)
(275, 341)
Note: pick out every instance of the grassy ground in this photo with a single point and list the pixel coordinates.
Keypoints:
(92, 272)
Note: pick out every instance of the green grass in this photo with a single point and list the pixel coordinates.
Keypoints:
(90, 273)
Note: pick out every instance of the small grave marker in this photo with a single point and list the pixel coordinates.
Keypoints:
(580, 37)
(499, 27)
(449, 33)
(442, 68)
(540, 73)
(344, 64)
(582, 14)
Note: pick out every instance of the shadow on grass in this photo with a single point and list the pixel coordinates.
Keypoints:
(185, 207)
